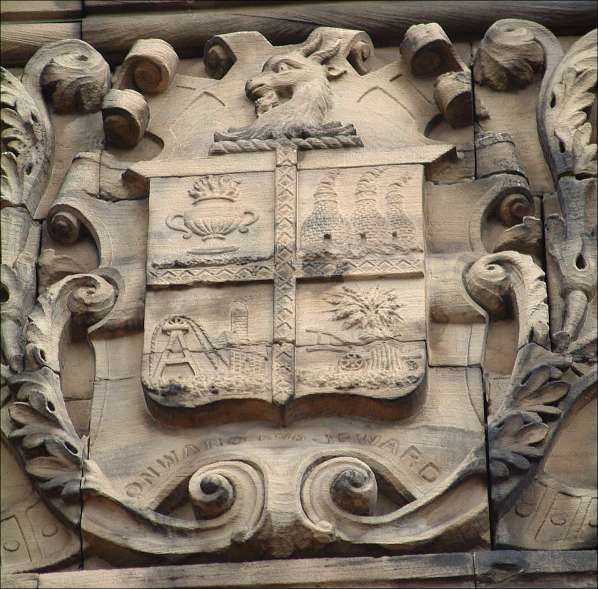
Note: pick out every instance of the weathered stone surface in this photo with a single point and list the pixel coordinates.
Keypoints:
(297, 300)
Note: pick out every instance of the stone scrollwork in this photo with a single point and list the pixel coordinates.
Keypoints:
(38, 417)
(355, 489)
(149, 68)
(220, 492)
(566, 97)
(26, 144)
(313, 372)
(73, 77)
(428, 50)
(509, 55)
(508, 281)
(339, 497)
(86, 297)
(211, 492)
(76, 77)
(228, 498)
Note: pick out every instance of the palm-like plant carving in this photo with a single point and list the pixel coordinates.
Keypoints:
(374, 310)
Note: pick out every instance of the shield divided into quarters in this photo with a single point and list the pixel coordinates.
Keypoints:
(280, 283)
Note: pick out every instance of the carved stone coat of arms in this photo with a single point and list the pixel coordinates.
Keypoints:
(300, 273)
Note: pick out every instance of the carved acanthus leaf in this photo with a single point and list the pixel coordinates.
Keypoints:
(85, 296)
(572, 98)
(539, 391)
(521, 428)
(565, 101)
(42, 420)
(496, 278)
(26, 144)
(513, 442)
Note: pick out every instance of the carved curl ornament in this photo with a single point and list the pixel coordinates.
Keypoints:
(293, 499)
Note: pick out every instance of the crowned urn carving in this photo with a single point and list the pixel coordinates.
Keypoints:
(215, 212)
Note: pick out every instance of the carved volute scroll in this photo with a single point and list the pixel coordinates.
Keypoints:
(72, 77)
(301, 299)
(496, 278)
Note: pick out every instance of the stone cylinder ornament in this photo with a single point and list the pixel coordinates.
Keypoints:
(150, 66)
(496, 154)
(126, 117)
(64, 227)
(452, 93)
(218, 58)
(428, 50)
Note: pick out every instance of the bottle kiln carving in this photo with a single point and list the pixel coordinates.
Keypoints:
(292, 344)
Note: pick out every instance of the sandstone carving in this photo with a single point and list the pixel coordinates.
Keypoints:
(126, 116)
(509, 55)
(299, 300)
(292, 98)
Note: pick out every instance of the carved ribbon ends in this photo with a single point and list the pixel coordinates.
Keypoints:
(222, 341)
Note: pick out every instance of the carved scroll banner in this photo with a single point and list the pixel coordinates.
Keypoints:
(258, 315)
(285, 288)
(296, 303)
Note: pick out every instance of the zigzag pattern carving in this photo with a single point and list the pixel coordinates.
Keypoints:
(165, 276)
(284, 274)
(367, 266)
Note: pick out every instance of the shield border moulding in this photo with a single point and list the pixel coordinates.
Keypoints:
(303, 461)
